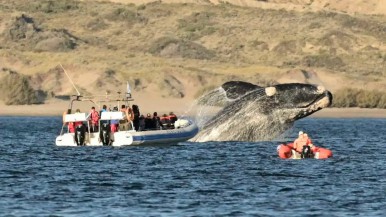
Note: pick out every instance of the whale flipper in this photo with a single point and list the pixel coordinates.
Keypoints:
(227, 93)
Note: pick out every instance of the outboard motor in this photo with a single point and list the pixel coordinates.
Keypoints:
(104, 134)
(306, 152)
(80, 135)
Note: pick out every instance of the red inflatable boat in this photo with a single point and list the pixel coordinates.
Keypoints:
(286, 151)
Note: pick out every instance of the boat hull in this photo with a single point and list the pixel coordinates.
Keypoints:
(132, 137)
(286, 151)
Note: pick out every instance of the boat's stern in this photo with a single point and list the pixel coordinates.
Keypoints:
(66, 139)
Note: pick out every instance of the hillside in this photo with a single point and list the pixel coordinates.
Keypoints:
(344, 6)
(177, 50)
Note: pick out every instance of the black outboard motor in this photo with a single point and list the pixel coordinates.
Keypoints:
(80, 135)
(306, 152)
(104, 134)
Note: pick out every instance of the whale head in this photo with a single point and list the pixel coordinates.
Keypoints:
(293, 101)
(254, 113)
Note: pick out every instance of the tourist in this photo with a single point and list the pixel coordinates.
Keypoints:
(173, 118)
(104, 109)
(165, 122)
(141, 123)
(156, 121)
(148, 122)
(114, 123)
(136, 117)
(94, 120)
(301, 141)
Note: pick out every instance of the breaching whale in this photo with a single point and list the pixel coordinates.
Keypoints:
(254, 113)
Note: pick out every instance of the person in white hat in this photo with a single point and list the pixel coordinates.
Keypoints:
(301, 141)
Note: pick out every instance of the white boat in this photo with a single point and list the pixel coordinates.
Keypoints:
(184, 129)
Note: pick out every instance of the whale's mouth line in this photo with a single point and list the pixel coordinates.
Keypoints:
(317, 101)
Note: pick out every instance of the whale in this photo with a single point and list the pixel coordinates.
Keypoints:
(251, 113)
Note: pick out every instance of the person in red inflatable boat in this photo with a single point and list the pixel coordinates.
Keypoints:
(301, 141)
(295, 150)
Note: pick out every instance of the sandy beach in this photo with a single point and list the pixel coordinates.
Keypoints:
(180, 107)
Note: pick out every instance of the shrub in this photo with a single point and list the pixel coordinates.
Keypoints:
(287, 47)
(323, 60)
(55, 44)
(96, 24)
(53, 6)
(350, 97)
(23, 27)
(24, 34)
(171, 47)
(368, 99)
(197, 25)
(121, 14)
(17, 90)
(382, 102)
(126, 15)
(338, 39)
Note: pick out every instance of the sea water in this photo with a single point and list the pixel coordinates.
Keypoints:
(193, 179)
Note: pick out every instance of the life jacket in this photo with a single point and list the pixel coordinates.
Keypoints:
(114, 128)
(78, 123)
(94, 117)
(72, 126)
(165, 119)
(173, 118)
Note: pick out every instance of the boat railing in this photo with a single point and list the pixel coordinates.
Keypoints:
(77, 117)
(112, 116)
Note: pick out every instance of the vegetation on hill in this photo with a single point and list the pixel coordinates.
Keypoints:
(16, 90)
(353, 97)
(163, 44)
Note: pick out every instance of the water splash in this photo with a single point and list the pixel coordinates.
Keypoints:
(221, 119)
(207, 106)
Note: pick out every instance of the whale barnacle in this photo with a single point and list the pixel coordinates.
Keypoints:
(270, 91)
(321, 89)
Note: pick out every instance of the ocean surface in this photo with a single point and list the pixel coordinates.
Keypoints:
(193, 179)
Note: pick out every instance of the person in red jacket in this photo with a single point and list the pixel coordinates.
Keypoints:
(94, 122)
(165, 121)
(72, 125)
(172, 118)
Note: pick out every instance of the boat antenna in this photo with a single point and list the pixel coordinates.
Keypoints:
(119, 99)
(70, 80)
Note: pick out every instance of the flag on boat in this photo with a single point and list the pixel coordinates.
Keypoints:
(128, 91)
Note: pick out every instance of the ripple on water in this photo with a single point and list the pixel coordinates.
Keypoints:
(193, 179)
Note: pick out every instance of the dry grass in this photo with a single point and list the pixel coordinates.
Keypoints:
(16, 90)
(352, 97)
(149, 43)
